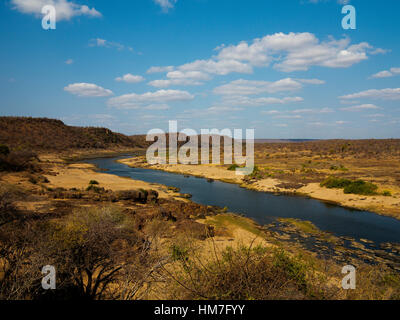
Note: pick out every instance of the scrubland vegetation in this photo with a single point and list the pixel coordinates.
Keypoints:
(132, 244)
(42, 134)
(349, 186)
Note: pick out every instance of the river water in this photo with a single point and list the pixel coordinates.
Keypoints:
(265, 207)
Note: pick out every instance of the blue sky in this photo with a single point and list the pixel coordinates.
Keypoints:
(285, 68)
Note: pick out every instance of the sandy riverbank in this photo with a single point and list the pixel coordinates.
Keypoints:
(389, 206)
(78, 175)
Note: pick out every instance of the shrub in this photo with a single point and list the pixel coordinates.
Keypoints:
(178, 253)
(245, 273)
(386, 193)
(17, 161)
(333, 182)
(94, 188)
(233, 167)
(361, 187)
(91, 182)
(356, 187)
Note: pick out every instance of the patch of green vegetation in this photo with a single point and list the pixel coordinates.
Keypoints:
(303, 225)
(361, 187)
(94, 188)
(233, 167)
(351, 186)
(91, 182)
(222, 220)
(339, 167)
(333, 182)
(295, 268)
(386, 193)
(256, 173)
(178, 253)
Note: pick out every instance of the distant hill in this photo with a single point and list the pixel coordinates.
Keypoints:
(282, 140)
(51, 134)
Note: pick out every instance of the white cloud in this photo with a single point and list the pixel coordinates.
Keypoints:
(257, 102)
(285, 52)
(382, 74)
(220, 67)
(134, 100)
(361, 107)
(87, 90)
(65, 10)
(270, 112)
(297, 51)
(382, 94)
(99, 42)
(288, 116)
(181, 78)
(313, 111)
(160, 69)
(386, 73)
(130, 78)
(69, 61)
(375, 115)
(249, 87)
(157, 107)
(311, 81)
(299, 111)
(166, 4)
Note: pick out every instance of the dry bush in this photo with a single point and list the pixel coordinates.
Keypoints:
(244, 273)
(18, 161)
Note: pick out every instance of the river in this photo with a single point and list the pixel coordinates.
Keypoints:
(266, 207)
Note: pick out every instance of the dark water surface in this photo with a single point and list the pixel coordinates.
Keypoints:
(265, 207)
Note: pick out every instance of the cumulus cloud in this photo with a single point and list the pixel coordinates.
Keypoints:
(181, 78)
(130, 78)
(65, 10)
(286, 52)
(249, 87)
(220, 67)
(381, 94)
(87, 90)
(134, 100)
(361, 107)
(166, 4)
(258, 102)
(160, 69)
(386, 73)
(298, 111)
(99, 42)
(297, 51)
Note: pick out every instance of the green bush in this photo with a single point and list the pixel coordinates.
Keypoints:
(233, 167)
(178, 253)
(333, 182)
(386, 193)
(94, 188)
(361, 187)
(91, 182)
(355, 187)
